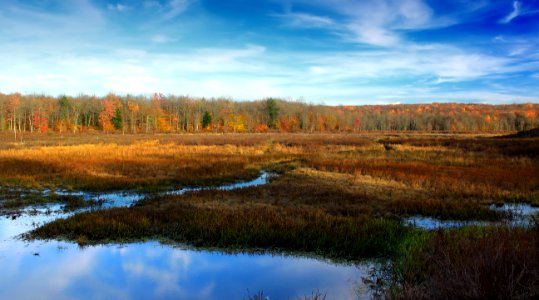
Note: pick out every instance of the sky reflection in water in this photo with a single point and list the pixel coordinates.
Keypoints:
(62, 270)
(150, 270)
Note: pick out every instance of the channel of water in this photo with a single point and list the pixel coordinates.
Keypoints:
(150, 270)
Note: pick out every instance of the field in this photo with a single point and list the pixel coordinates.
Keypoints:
(341, 196)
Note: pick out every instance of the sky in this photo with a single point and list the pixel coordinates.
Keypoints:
(333, 52)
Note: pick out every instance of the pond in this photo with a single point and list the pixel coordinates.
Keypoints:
(521, 215)
(63, 270)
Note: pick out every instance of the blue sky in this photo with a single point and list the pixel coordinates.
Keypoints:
(331, 51)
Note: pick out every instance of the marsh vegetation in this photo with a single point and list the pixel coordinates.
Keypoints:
(342, 196)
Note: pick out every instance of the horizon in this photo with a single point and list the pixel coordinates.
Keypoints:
(334, 52)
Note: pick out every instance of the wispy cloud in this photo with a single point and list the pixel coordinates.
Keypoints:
(378, 23)
(118, 7)
(385, 51)
(176, 7)
(514, 13)
(304, 20)
(169, 9)
(444, 63)
(253, 72)
(44, 25)
(372, 34)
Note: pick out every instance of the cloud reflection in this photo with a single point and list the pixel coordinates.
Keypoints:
(152, 270)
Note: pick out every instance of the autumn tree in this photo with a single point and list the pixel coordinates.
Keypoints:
(108, 113)
(158, 113)
(40, 122)
(133, 108)
(236, 122)
(12, 109)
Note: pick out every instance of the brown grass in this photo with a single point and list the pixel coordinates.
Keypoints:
(147, 163)
(452, 176)
(490, 263)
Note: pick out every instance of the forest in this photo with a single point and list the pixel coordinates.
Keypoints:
(183, 114)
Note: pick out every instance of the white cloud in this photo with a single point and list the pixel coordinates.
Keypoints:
(50, 27)
(428, 61)
(519, 9)
(378, 23)
(205, 72)
(304, 20)
(372, 34)
(252, 72)
(118, 7)
(519, 50)
(65, 56)
(514, 13)
(176, 7)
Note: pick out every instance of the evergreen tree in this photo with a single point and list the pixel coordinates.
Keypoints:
(273, 112)
(206, 120)
(117, 119)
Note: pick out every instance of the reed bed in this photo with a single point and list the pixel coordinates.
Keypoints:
(268, 228)
(469, 263)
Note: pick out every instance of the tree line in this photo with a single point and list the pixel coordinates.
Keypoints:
(162, 114)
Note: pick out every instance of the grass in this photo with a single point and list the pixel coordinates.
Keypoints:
(14, 200)
(338, 176)
(470, 263)
(338, 195)
(443, 166)
(139, 165)
(245, 228)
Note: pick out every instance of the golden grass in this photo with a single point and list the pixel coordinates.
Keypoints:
(140, 163)
(393, 168)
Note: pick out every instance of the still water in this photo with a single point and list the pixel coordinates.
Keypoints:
(521, 215)
(150, 270)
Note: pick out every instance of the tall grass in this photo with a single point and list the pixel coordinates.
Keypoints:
(142, 164)
(471, 263)
(274, 228)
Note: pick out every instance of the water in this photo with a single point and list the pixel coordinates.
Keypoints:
(120, 199)
(429, 223)
(150, 270)
(521, 216)
(519, 210)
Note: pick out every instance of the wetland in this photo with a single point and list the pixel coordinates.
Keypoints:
(286, 215)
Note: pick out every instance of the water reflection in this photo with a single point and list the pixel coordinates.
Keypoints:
(59, 270)
(521, 215)
(429, 223)
(119, 199)
(62, 270)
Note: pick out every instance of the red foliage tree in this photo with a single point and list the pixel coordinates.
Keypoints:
(40, 121)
